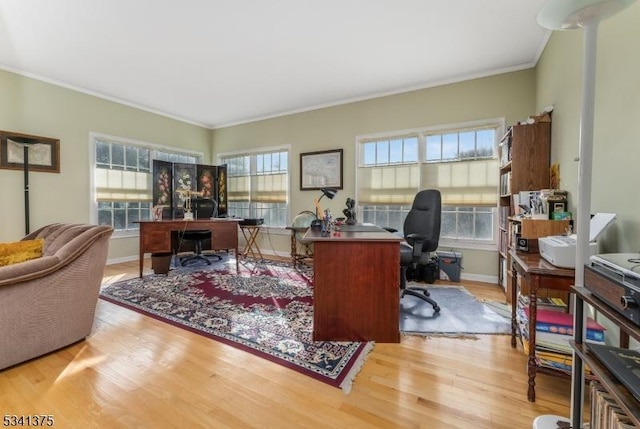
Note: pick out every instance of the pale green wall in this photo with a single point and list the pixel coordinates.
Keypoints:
(34, 107)
(616, 126)
(510, 96)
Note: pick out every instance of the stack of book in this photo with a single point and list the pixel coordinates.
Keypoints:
(605, 412)
(554, 331)
(549, 303)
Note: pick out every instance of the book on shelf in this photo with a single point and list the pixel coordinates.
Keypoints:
(562, 323)
(557, 342)
(546, 303)
(605, 412)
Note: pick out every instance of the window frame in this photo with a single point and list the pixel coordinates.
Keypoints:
(253, 153)
(153, 147)
(499, 123)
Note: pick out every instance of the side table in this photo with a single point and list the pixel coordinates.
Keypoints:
(535, 273)
(250, 232)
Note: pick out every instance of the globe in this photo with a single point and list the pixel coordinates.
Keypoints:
(302, 220)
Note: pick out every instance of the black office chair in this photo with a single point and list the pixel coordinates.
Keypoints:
(421, 231)
(203, 208)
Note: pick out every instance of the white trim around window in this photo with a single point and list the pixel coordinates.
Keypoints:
(93, 137)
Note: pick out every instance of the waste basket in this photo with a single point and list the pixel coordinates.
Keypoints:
(450, 264)
(160, 262)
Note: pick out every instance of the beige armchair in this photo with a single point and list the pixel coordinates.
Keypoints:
(49, 302)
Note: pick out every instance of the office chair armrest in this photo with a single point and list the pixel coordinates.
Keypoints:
(418, 241)
(417, 237)
(389, 229)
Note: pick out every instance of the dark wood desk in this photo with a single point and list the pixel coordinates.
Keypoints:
(356, 293)
(536, 273)
(155, 236)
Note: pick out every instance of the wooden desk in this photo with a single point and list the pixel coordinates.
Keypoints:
(356, 293)
(536, 273)
(155, 236)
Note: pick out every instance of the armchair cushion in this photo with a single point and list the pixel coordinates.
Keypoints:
(20, 251)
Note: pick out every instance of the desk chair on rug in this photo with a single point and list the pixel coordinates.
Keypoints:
(204, 208)
(421, 231)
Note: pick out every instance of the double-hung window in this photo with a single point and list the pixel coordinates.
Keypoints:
(257, 185)
(460, 160)
(122, 177)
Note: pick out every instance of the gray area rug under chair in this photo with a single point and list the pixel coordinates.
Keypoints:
(461, 314)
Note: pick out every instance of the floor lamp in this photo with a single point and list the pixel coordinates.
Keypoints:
(25, 142)
(569, 15)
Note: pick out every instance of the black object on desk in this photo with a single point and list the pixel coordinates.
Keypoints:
(251, 221)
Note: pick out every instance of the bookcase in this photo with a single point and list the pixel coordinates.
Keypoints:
(525, 154)
(616, 390)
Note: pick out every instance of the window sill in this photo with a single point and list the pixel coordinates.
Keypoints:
(126, 234)
(468, 244)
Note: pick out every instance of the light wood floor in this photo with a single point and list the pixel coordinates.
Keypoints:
(136, 372)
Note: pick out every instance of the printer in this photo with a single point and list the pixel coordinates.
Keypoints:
(560, 250)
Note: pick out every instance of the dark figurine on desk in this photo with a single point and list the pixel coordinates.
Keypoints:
(350, 212)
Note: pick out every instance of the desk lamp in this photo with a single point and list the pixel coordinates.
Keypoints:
(569, 15)
(326, 192)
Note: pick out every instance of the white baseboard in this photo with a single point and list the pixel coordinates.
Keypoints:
(480, 278)
(474, 277)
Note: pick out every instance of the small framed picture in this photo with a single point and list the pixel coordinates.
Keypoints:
(43, 153)
(321, 170)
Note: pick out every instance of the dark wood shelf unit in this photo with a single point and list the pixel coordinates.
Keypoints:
(617, 390)
(525, 156)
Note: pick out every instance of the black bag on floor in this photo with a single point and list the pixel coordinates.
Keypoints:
(427, 273)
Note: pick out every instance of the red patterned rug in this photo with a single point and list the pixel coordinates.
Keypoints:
(266, 309)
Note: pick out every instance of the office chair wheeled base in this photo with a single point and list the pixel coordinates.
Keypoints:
(185, 260)
(198, 256)
(422, 294)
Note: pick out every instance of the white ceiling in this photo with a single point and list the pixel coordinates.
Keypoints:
(222, 62)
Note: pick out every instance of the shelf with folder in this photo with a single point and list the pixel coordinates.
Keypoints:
(554, 334)
(624, 398)
(620, 393)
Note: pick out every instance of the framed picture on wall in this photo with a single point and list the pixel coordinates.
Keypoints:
(43, 152)
(321, 170)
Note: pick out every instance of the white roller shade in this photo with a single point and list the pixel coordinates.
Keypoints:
(121, 185)
(472, 183)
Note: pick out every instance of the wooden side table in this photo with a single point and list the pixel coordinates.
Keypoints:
(535, 273)
(250, 232)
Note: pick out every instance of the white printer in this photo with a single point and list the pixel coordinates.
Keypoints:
(560, 250)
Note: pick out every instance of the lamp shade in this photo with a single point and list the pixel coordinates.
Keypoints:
(329, 192)
(571, 14)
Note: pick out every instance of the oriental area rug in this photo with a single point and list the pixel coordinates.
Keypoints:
(461, 315)
(265, 309)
